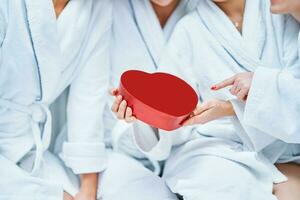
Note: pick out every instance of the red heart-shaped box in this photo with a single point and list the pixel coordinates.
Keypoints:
(161, 100)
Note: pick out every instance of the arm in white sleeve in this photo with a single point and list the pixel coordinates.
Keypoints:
(84, 151)
(273, 104)
(272, 108)
(158, 147)
(150, 143)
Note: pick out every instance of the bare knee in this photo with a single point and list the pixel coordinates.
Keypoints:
(289, 190)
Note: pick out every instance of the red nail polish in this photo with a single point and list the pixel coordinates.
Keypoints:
(214, 87)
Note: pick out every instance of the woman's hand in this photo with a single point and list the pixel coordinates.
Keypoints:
(120, 108)
(241, 84)
(209, 111)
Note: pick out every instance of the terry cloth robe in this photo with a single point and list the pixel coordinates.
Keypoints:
(40, 57)
(138, 43)
(274, 108)
(226, 161)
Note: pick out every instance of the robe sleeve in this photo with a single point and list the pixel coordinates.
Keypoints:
(272, 108)
(177, 54)
(154, 145)
(273, 105)
(84, 151)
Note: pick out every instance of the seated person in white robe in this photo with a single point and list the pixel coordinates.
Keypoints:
(40, 56)
(273, 108)
(133, 20)
(260, 49)
(223, 159)
(145, 26)
(43, 50)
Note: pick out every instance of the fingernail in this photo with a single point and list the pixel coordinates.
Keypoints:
(213, 87)
(120, 97)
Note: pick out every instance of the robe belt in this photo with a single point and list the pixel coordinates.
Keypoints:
(41, 122)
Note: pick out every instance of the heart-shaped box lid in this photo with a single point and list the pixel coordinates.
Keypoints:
(160, 99)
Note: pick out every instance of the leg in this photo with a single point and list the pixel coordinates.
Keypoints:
(67, 196)
(126, 179)
(289, 190)
(210, 171)
(17, 184)
(123, 179)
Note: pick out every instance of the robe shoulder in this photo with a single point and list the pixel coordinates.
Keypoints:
(188, 21)
(183, 32)
(291, 42)
(106, 4)
(102, 15)
(190, 28)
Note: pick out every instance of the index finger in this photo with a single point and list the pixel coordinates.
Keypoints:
(223, 84)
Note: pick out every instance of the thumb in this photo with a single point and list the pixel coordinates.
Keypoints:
(114, 92)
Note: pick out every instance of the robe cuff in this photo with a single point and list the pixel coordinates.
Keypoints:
(258, 140)
(255, 102)
(153, 148)
(85, 158)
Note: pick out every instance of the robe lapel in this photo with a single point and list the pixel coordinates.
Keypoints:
(254, 28)
(178, 13)
(73, 26)
(149, 26)
(43, 31)
(242, 47)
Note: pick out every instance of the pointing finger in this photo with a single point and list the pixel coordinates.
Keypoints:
(223, 84)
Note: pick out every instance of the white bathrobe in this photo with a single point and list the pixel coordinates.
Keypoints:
(135, 185)
(40, 57)
(138, 43)
(274, 108)
(226, 161)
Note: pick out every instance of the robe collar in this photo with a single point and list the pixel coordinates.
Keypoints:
(246, 48)
(73, 26)
(43, 32)
(155, 37)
